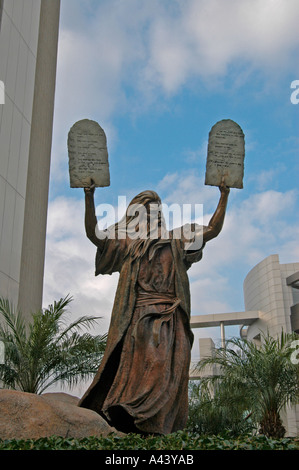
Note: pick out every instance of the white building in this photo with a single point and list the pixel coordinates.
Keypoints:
(28, 56)
(271, 297)
(273, 289)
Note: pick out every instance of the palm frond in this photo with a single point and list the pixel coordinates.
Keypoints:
(263, 375)
(49, 349)
(13, 321)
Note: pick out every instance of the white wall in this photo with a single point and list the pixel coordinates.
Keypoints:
(18, 50)
(265, 289)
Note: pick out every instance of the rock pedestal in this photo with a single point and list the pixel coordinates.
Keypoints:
(30, 416)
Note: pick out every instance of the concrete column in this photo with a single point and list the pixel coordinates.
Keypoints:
(36, 204)
(222, 332)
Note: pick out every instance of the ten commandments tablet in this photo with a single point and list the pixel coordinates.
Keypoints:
(226, 153)
(88, 155)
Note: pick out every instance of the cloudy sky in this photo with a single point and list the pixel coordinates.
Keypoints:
(157, 75)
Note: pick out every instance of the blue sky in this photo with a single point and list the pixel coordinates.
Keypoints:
(157, 76)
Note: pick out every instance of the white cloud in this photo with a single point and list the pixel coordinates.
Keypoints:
(70, 261)
(162, 45)
(186, 188)
(203, 38)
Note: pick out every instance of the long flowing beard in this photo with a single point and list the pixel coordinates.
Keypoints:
(146, 235)
(148, 239)
(139, 247)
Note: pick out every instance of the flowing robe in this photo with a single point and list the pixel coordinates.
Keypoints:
(142, 382)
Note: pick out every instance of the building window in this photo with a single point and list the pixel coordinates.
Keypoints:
(295, 292)
(293, 282)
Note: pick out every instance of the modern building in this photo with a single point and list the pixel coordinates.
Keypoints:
(28, 57)
(272, 289)
(271, 297)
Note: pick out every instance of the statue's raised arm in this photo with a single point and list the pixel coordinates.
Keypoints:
(216, 222)
(90, 215)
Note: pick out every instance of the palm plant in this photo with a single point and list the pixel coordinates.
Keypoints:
(210, 412)
(261, 378)
(47, 350)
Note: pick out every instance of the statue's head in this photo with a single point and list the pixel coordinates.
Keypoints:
(146, 198)
(147, 208)
(143, 221)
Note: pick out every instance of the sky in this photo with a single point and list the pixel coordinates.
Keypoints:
(157, 75)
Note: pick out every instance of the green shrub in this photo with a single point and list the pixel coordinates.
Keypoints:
(181, 440)
(213, 414)
(47, 350)
(253, 380)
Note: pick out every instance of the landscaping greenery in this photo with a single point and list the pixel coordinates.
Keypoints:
(210, 414)
(181, 440)
(253, 385)
(48, 349)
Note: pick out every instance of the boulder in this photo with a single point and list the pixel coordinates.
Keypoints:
(29, 416)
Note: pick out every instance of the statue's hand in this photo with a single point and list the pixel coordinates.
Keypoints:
(223, 188)
(90, 189)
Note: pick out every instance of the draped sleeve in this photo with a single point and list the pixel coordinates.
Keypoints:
(191, 236)
(110, 255)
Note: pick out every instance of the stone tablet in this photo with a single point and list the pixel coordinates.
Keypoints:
(226, 153)
(88, 155)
